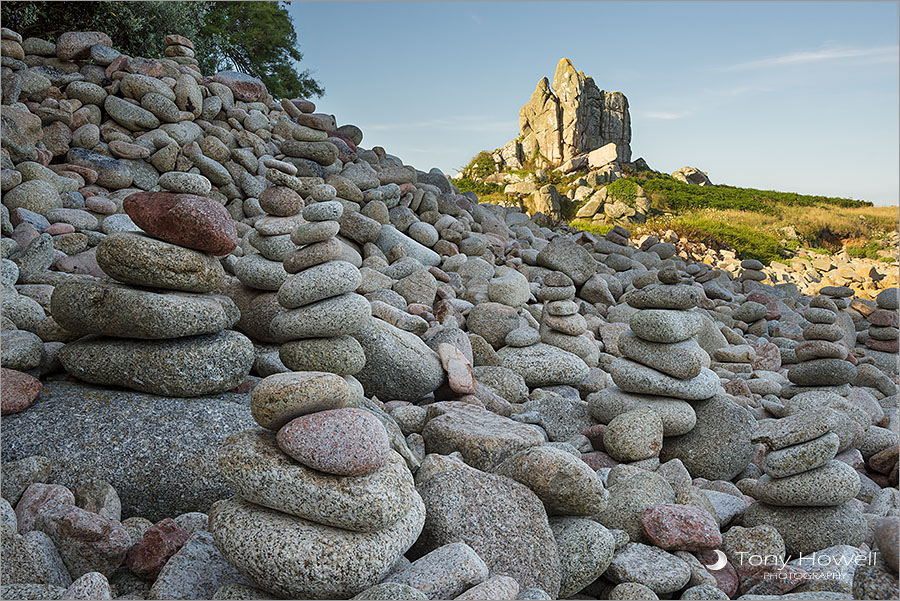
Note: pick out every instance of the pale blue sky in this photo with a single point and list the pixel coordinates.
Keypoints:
(792, 96)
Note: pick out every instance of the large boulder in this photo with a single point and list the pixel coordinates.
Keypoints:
(158, 453)
(399, 365)
(502, 520)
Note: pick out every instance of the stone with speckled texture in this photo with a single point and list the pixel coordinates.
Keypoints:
(109, 441)
(190, 366)
(262, 474)
(344, 442)
(184, 219)
(295, 558)
(196, 571)
(279, 398)
(680, 527)
(445, 572)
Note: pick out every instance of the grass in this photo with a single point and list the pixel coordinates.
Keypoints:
(599, 229)
(748, 242)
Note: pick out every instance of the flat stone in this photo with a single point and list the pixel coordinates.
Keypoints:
(801, 457)
(792, 429)
(443, 573)
(143, 261)
(500, 519)
(484, 439)
(345, 442)
(344, 314)
(680, 527)
(85, 307)
(399, 365)
(634, 377)
(317, 283)
(664, 296)
(280, 398)
(656, 569)
(677, 416)
(262, 474)
(543, 364)
(562, 481)
(191, 366)
(822, 372)
(681, 360)
(665, 326)
(719, 446)
(339, 354)
(184, 219)
(152, 480)
(295, 558)
(831, 484)
(809, 529)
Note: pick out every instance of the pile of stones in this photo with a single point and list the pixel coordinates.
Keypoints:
(324, 506)
(822, 358)
(420, 395)
(175, 342)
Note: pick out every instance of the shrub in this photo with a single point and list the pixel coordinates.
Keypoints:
(748, 243)
(624, 190)
(467, 184)
(481, 166)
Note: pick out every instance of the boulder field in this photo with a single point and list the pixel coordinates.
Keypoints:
(246, 357)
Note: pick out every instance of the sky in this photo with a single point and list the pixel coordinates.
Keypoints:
(791, 96)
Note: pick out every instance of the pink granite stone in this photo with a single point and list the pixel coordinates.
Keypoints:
(345, 442)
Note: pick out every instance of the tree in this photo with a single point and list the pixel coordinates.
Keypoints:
(256, 38)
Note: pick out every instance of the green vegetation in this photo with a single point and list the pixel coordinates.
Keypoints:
(678, 196)
(624, 190)
(257, 38)
(480, 167)
(467, 184)
(600, 229)
(868, 250)
(747, 242)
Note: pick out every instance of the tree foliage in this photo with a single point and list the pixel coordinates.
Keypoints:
(257, 38)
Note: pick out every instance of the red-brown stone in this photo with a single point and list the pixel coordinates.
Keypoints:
(885, 346)
(595, 435)
(184, 219)
(726, 578)
(884, 318)
(598, 459)
(680, 527)
(17, 390)
(160, 542)
(345, 442)
(35, 498)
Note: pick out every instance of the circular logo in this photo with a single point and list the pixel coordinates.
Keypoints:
(720, 562)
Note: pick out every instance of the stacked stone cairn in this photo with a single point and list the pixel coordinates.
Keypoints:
(322, 308)
(883, 323)
(561, 324)
(804, 492)
(751, 272)
(662, 369)
(173, 339)
(325, 507)
(821, 357)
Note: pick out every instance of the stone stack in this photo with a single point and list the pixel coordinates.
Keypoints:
(752, 272)
(322, 309)
(883, 323)
(324, 506)
(179, 49)
(805, 492)
(662, 367)
(173, 339)
(561, 324)
(821, 356)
